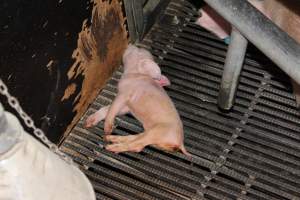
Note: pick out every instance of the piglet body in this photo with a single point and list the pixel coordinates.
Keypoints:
(140, 92)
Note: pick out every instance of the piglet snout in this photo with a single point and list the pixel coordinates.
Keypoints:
(163, 81)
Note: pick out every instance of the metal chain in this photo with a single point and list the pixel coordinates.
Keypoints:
(13, 102)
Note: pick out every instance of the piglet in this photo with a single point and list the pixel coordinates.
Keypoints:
(140, 92)
(213, 22)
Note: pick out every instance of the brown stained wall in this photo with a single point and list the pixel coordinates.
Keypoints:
(56, 55)
(99, 53)
(37, 39)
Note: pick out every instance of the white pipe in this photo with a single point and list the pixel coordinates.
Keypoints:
(30, 171)
(9, 136)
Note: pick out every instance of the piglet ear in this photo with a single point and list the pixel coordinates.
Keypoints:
(149, 67)
(164, 81)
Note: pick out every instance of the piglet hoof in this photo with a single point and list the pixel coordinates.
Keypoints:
(90, 121)
(108, 127)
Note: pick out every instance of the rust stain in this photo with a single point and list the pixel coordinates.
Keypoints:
(98, 54)
(69, 91)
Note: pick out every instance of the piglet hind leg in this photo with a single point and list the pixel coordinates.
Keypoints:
(168, 139)
(136, 143)
(130, 143)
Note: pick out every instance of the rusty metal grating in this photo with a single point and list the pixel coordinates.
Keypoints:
(252, 152)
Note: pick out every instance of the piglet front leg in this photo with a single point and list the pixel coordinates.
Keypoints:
(118, 105)
(129, 143)
(100, 115)
(95, 118)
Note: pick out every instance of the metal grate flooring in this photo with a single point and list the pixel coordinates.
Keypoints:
(252, 152)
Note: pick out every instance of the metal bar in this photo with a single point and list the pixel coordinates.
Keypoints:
(270, 39)
(232, 69)
(150, 5)
(8, 135)
(214, 66)
(152, 10)
(135, 18)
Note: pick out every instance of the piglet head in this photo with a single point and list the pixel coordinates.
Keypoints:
(130, 53)
(139, 60)
(150, 68)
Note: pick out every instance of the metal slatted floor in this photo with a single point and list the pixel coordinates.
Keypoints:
(252, 152)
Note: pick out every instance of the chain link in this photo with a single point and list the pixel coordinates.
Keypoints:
(14, 103)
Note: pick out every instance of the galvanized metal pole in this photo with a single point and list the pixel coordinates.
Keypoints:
(135, 18)
(270, 39)
(232, 69)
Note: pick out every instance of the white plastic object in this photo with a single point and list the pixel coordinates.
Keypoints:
(30, 171)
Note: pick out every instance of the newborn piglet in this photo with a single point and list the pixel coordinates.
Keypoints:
(140, 92)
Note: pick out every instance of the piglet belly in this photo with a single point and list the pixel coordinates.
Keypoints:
(152, 108)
